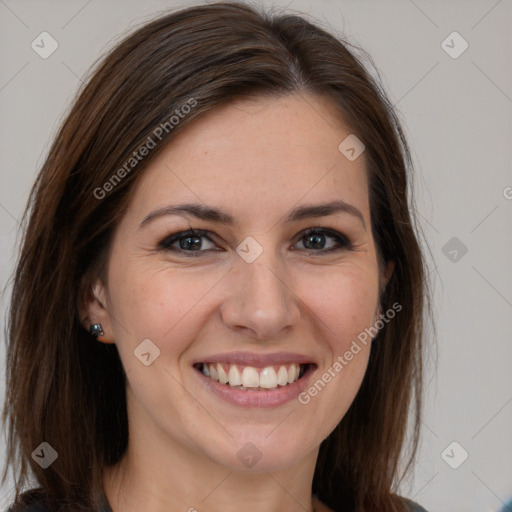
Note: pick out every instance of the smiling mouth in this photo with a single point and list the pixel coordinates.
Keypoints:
(249, 378)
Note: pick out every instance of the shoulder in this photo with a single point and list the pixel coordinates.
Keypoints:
(412, 506)
(30, 501)
(35, 500)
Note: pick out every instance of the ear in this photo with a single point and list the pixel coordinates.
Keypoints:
(388, 272)
(93, 308)
(385, 276)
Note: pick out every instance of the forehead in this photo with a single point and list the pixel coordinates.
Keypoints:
(263, 154)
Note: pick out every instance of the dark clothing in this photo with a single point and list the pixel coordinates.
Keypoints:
(33, 502)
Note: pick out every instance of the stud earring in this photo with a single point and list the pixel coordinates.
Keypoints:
(96, 330)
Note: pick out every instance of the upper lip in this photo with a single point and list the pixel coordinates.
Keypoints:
(256, 360)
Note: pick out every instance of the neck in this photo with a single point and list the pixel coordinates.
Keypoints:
(190, 487)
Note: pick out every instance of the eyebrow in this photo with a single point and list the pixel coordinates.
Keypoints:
(203, 212)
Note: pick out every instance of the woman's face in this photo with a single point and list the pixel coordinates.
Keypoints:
(254, 299)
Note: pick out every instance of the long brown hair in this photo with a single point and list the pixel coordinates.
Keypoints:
(65, 389)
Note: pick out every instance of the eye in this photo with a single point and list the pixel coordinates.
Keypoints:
(314, 239)
(188, 241)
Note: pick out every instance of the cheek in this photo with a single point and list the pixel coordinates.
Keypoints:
(344, 302)
(159, 303)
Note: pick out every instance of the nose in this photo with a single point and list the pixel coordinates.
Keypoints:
(260, 299)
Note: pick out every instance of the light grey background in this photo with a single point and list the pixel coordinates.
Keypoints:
(457, 114)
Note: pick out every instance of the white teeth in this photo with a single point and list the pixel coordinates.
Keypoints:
(234, 376)
(268, 378)
(213, 372)
(282, 376)
(293, 373)
(251, 378)
(223, 376)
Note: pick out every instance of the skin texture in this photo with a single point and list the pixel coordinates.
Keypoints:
(257, 159)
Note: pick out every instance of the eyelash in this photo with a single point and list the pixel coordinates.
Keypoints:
(342, 241)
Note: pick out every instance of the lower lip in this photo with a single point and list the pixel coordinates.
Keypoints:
(271, 398)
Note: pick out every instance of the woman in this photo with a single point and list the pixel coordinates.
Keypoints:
(218, 302)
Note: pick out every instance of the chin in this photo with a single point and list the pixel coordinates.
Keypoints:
(260, 449)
